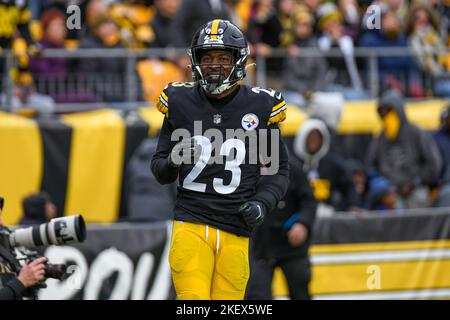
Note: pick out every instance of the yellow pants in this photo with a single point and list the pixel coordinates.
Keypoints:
(208, 263)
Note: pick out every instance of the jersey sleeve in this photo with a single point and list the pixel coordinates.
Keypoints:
(278, 109)
(162, 104)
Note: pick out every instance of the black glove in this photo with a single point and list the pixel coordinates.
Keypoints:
(187, 151)
(253, 213)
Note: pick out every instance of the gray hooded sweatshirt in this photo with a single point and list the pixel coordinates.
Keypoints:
(411, 156)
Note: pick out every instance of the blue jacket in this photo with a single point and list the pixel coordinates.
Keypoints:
(375, 39)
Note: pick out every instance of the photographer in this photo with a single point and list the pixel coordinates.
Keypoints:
(12, 287)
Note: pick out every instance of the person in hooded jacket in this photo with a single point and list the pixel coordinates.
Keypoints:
(327, 107)
(283, 241)
(403, 153)
(326, 171)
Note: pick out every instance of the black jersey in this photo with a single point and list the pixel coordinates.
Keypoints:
(14, 15)
(212, 192)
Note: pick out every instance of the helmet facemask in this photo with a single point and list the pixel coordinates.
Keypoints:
(218, 85)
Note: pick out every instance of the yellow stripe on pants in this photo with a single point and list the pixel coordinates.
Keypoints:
(95, 165)
(21, 163)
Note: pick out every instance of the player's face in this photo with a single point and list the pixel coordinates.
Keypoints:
(216, 64)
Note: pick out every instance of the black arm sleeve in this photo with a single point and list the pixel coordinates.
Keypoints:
(272, 188)
(160, 166)
(12, 290)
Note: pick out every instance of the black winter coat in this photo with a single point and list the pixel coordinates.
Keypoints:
(298, 205)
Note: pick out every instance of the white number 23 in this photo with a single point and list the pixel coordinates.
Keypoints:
(232, 165)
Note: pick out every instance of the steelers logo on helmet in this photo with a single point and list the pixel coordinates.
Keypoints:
(215, 38)
(219, 35)
(250, 121)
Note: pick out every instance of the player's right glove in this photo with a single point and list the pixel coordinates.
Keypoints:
(253, 213)
(186, 151)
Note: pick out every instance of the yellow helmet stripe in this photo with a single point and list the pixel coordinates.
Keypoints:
(215, 29)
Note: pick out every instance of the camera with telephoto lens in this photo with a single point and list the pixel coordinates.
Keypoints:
(58, 231)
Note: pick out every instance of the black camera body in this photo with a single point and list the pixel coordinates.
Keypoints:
(54, 271)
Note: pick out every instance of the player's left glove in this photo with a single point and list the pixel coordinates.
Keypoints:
(253, 213)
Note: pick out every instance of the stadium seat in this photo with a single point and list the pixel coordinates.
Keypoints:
(155, 76)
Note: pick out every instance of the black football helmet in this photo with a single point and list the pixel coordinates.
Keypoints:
(219, 35)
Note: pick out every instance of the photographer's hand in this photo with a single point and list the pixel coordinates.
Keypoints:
(33, 272)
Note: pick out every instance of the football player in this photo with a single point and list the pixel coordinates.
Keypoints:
(218, 203)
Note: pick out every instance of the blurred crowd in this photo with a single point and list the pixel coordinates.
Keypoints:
(325, 25)
(403, 167)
